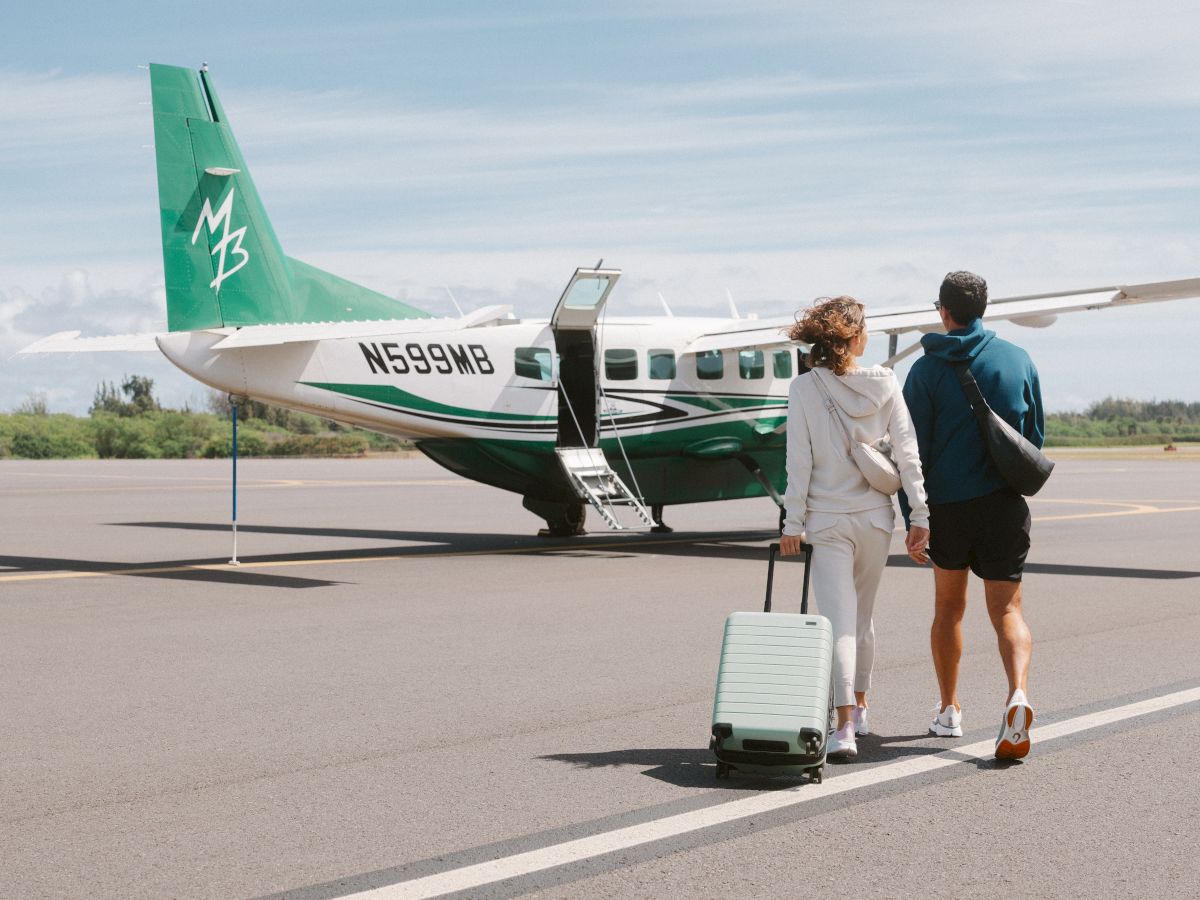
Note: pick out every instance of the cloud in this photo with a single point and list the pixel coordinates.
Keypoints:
(776, 151)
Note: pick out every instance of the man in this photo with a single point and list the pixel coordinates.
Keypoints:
(976, 521)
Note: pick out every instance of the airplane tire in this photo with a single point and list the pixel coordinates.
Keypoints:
(570, 523)
(562, 519)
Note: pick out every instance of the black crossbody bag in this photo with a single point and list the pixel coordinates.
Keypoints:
(1019, 462)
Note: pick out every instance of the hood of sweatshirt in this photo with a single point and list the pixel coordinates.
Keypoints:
(962, 344)
(860, 392)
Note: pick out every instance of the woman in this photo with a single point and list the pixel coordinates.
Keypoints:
(829, 502)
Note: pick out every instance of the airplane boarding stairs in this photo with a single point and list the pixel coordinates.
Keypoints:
(593, 479)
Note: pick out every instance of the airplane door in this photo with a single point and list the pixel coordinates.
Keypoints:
(574, 325)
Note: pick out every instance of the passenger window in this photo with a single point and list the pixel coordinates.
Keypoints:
(783, 363)
(750, 364)
(532, 362)
(710, 365)
(620, 365)
(662, 365)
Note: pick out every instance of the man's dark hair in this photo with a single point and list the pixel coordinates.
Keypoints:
(964, 296)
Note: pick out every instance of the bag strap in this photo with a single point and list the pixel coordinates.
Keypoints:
(975, 399)
(831, 405)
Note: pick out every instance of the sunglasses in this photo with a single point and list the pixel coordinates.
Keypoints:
(937, 304)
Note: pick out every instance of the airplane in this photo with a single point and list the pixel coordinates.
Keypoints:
(625, 415)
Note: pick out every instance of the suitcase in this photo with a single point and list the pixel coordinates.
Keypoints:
(774, 689)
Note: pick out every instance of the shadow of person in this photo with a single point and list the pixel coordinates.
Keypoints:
(688, 768)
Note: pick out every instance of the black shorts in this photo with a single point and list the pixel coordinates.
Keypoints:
(989, 533)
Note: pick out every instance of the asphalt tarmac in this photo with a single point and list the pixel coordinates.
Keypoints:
(401, 690)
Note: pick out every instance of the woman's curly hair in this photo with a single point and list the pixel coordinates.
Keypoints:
(829, 327)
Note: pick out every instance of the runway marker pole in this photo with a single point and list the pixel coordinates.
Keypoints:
(233, 411)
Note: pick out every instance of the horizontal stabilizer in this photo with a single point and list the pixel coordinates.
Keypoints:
(71, 342)
(270, 335)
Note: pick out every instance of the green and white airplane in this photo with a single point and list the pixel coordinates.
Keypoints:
(619, 413)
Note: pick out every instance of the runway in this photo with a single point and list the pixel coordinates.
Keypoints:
(401, 691)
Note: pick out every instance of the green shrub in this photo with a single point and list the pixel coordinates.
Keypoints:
(41, 436)
(121, 437)
(353, 444)
(183, 435)
(28, 444)
(250, 443)
(384, 442)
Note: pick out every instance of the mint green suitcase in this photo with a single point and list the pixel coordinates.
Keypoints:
(774, 689)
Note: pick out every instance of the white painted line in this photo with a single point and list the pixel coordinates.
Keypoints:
(490, 872)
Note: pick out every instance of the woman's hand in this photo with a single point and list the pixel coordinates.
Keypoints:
(917, 544)
(791, 544)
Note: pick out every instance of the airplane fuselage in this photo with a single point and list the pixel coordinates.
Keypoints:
(493, 402)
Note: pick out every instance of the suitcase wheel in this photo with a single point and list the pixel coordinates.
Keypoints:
(814, 775)
(723, 770)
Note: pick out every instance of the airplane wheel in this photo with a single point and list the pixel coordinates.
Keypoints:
(562, 519)
(570, 523)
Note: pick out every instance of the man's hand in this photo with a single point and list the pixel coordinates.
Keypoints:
(917, 544)
(791, 544)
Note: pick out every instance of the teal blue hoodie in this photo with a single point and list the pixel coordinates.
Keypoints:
(953, 455)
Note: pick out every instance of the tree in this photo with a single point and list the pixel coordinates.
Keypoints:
(140, 391)
(138, 388)
(107, 400)
(34, 405)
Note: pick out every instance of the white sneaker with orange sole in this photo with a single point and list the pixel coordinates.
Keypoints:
(1013, 740)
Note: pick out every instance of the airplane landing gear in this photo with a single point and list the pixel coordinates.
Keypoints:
(562, 519)
(660, 527)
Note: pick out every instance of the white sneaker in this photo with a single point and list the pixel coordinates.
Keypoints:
(946, 722)
(860, 720)
(841, 743)
(1013, 740)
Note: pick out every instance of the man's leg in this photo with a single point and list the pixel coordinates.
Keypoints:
(1012, 634)
(945, 637)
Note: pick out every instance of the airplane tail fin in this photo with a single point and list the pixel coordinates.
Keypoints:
(222, 262)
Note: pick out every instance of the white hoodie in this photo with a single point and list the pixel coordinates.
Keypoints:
(822, 477)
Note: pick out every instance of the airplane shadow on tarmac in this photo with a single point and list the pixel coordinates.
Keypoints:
(741, 545)
(175, 570)
(744, 545)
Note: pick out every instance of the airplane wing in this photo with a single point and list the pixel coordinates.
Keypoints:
(1031, 310)
(745, 333)
(1038, 310)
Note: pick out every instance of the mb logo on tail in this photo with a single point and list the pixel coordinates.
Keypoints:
(221, 219)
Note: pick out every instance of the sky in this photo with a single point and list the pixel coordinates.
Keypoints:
(774, 152)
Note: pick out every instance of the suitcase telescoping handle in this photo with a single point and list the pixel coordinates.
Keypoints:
(771, 576)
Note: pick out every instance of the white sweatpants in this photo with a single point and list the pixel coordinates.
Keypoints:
(849, 553)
